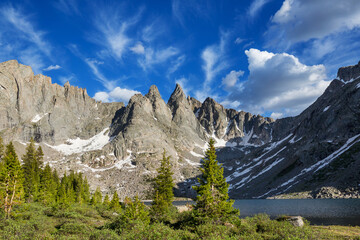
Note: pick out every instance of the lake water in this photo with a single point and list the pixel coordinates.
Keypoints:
(317, 211)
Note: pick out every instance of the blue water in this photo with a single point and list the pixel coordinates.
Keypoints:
(317, 211)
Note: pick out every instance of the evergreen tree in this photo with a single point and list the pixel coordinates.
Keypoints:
(135, 210)
(31, 167)
(163, 189)
(115, 202)
(96, 198)
(106, 201)
(85, 191)
(48, 186)
(1, 148)
(11, 180)
(212, 202)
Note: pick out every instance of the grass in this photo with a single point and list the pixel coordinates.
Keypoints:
(35, 221)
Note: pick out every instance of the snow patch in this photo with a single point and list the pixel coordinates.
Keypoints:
(196, 154)
(358, 85)
(325, 109)
(78, 145)
(38, 117)
(197, 113)
(319, 165)
(192, 163)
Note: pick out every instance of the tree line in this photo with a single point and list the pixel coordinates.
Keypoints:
(29, 182)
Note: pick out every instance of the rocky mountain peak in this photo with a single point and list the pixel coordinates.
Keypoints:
(153, 93)
(349, 73)
(177, 96)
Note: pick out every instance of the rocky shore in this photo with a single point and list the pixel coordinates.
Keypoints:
(323, 192)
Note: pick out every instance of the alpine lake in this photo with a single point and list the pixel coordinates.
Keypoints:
(345, 212)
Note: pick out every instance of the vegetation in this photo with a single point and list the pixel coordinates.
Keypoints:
(163, 190)
(63, 208)
(212, 202)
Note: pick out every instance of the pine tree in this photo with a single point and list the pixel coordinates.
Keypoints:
(96, 198)
(163, 189)
(115, 202)
(31, 167)
(135, 210)
(48, 186)
(11, 180)
(1, 148)
(106, 201)
(212, 202)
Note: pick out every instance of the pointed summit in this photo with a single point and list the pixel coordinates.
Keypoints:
(177, 96)
(153, 93)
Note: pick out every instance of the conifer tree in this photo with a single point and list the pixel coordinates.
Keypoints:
(1, 148)
(96, 198)
(11, 180)
(31, 167)
(135, 210)
(48, 186)
(212, 202)
(85, 191)
(115, 202)
(106, 201)
(163, 188)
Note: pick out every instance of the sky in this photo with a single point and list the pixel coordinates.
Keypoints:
(268, 57)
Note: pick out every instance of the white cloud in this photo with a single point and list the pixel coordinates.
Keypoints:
(113, 30)
(255, 7)
(116, 95)
(93, 64)
(279, 83)
(276, 115)
(239, 40)
(298, 21)
(153, 57)
(214, 61)
(52, 67)
(138, 48)
(231, 78)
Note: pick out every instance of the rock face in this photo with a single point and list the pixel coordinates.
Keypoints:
(118, 147)
(33, 107)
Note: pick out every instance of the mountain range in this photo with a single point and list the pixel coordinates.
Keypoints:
(118, 147)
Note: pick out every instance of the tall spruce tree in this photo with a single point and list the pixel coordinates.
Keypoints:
(32, 171)
(11, 180)
(163, 189)
(96, 198)
(48, 186)
(115, 203)
(212, 202)
(1, 148)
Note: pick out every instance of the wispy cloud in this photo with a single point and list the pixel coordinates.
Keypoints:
(69, 7)
(93, 64)
(52, 67)
(23, 24)
(64, 79)
(138, 48)
(255, 7)
(113, 28)
(176, 64)
(153, 57)
(182, 10)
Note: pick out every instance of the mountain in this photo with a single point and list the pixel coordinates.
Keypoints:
(118, 147)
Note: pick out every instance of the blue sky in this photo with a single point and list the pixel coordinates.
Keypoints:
(269, 57)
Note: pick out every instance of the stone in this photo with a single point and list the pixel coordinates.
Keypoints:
(296, 221)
